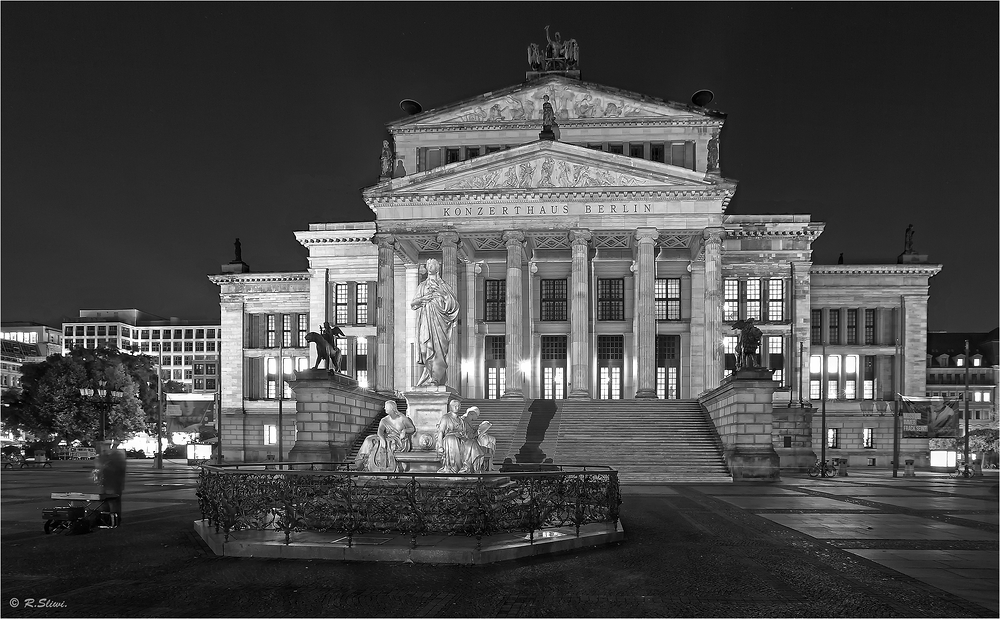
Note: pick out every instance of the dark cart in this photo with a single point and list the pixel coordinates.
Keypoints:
(17, 460)
(84, 512)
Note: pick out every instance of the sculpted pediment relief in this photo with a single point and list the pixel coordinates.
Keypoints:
(548, 171)
(571, 100)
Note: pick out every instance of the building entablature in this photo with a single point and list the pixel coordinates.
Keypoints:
(235, 286)
(923, 270)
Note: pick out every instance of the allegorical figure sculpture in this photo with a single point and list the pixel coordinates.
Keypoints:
(451, 438)
(437, 312)
(713, 153)
(746, 344)
(326, 346)
(378, 451)
(386, 159)
(908, 240)
(239, 250)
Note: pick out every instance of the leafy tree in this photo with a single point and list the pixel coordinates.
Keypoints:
(982, 440)
(49, 403)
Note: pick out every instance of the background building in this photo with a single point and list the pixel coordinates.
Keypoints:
(25, 342)
(188, 352)
(946, 372)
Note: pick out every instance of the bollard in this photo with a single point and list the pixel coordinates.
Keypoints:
(909, 469)
(842, 469)
(977, 468)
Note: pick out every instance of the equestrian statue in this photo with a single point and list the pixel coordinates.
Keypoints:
(326, 346)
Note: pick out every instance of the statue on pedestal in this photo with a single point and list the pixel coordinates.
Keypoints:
(437, 312)
(386, 159)
(908, 240)
(378, 452)
(326, 346)
(451, 438)
(747, 344)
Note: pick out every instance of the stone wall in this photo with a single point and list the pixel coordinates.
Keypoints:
(741, 411)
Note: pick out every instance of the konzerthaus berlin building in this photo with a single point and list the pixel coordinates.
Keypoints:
(599, 264)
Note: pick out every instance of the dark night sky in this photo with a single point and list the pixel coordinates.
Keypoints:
(140, 138)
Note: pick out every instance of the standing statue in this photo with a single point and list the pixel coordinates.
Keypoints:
(326, 346)
(378, 452)
(239, 251)
(908, 240)
(437, 312)
(554, 50)
(451, 438)
(548, 115)
(386, 159)
(746, 344)
(713, 153)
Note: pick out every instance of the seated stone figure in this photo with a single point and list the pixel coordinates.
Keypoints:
(452, 434)
(377, 453)
(479, 451)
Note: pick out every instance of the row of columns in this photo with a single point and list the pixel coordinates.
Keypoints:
(580, 353)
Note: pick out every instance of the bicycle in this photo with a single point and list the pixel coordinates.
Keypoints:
(829, 469)
(962, 472)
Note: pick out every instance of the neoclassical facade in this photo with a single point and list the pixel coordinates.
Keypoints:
(600, 264)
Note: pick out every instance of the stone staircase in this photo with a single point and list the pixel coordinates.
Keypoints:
(647, 441)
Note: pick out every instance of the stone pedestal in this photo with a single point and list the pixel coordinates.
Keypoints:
(419, 461)
(330, 412)
(905, 258)
(425, 407)
(742, 413)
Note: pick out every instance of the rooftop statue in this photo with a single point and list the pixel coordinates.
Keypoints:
(908, 240)
(557, 55)
(437, 312)
(239, 250)
(386, 159)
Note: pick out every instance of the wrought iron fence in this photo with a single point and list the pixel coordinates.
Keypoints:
(352, 502)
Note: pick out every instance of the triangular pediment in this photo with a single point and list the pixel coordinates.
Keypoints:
(545, 165)
(572, 101)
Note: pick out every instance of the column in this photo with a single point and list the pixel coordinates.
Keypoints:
(449, 273)
(645, 310)
(579, 316)
(471, 336)
(713, 307)
(385, 323)
(514, 239)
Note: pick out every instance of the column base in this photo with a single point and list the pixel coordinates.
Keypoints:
(513, 394)
(582, 394)
(644, 394)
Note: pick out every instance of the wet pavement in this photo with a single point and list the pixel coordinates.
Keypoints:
(859, 546)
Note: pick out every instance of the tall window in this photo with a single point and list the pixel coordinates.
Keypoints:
(611, 299)
(361, 305)
(496, 300)
(753, 299)
(815, 376)
(834, 334)
(554, 299)
(775, 352)
(776, 300)
(851, 377)
(729, 350)
(270, 434)
(868, 438)
(816, 326)
(340, 303)
(868, 381)
(832, 376)
(852, 326)
(303, 330)
(869, 326)
(668, 299)
(270, 331)
(286, 330)
(731, 300)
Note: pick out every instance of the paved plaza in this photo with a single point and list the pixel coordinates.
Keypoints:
(861, 546)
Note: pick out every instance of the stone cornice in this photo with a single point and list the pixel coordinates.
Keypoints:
(326, 237)
(255, 278)
(928, 270)
(666, 121)
(771, 231)
(537, 196)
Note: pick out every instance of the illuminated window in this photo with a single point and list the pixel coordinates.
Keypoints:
(977, 397)
(361, 346)
(976, 361)
(960, 362)
(868, 438)
(776, 357)
(832, 438)
(270, 434)
(668, 298)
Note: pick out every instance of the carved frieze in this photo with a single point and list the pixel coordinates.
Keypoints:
(550, 172)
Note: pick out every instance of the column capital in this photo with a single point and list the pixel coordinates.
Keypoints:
(646, 235)
(384, 240)
(714, 236)
(580, 236)
(449, 237)
(513, 237)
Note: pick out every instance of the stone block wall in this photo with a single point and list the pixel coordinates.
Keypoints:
(850, 440)
(741, 412)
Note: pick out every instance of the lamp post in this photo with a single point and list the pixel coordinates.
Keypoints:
(966, 398)
(103, 399)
